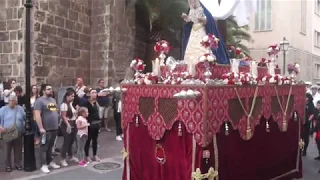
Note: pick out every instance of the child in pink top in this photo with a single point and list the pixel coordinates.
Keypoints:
(82, 135)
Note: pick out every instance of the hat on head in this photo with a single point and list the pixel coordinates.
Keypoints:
(314, 87)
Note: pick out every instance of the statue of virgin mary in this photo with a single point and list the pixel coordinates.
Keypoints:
(199, 22)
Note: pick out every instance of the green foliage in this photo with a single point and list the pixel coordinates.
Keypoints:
(236, 35)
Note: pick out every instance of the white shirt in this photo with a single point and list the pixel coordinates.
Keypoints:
(6, 94)
(64, 108)
(316, 98)
(80, 91)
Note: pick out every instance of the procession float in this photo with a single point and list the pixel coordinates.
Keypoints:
(214, 115)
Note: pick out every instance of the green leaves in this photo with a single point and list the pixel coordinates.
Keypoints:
(236, 35)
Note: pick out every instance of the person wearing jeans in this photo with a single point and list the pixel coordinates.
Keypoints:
(68, 127)
(47, 118)
(117, 113)
(93, 131)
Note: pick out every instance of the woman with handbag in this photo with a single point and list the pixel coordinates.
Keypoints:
(12, 117)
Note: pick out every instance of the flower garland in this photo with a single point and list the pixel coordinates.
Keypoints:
(236, 53)
(162, 47)
(210, 41)
(276, 79)
(148, 78)
(293, 67)
(177, 78)
(241, 78)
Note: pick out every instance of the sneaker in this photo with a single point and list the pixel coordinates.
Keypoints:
(96, 158)
(64, 163)
(108, 129)
(118, 138)
(54, 165)
(83, 164)
(74, 159)
(45, 169)
(88, 160)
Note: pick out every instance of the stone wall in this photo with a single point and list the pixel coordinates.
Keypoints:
(11, 40)
(62, 39)
(92, 39)
(112, 45)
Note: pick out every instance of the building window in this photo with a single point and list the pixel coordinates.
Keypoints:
(303, 17)
(317, 39)
(317, 71)
(317, 7)
(263, 15)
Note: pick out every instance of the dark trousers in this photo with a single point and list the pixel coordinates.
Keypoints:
(46, 149)
(318, 146)
(117, 118)
(93, 133)
(16, 146)
(68, 139)
(306, 136)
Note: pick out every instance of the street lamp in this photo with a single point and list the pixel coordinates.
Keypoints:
(29, 157)
(284, 46)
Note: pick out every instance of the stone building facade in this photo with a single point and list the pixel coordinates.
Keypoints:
(92, 39)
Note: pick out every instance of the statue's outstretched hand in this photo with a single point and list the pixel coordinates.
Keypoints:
(185, 17)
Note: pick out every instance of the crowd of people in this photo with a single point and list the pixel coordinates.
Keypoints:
(79, 118)
(312, 119)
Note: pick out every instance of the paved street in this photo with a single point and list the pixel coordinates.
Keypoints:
(109, 151)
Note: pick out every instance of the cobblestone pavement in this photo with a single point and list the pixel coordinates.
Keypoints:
(110, 153)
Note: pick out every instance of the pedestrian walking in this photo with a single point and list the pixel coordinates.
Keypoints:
(82, 134)
(310, 110)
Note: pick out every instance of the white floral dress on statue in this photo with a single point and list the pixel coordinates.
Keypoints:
(194, 49)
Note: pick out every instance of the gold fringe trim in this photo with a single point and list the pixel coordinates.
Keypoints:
(124, 154)
(210, 175)
(249, 133)
(216, 154)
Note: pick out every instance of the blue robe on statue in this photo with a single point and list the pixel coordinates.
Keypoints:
(221, 52)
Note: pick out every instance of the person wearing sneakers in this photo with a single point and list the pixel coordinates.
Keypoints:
(82, 135)
(47, 118)
(117, 113)
(93, 130)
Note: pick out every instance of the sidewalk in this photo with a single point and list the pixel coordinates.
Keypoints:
(108, 150)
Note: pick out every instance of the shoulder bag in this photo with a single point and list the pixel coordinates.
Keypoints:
(11, 133)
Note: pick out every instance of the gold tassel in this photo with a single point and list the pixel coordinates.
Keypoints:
(267, 126)
(226, 126)
(137, 121)
(284, 126)
(248, 133)
(210, 175)
(179, 129)
(124, 154)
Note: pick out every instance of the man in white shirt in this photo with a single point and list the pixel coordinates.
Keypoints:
(315, 94)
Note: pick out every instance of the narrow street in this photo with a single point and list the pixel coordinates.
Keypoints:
(109, 152)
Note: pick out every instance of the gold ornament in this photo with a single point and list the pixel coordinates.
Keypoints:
(248, 133)
(179, 129)
(210, 175)
(226, 126)
(267, 126)
(137, 121)
(124, 154)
